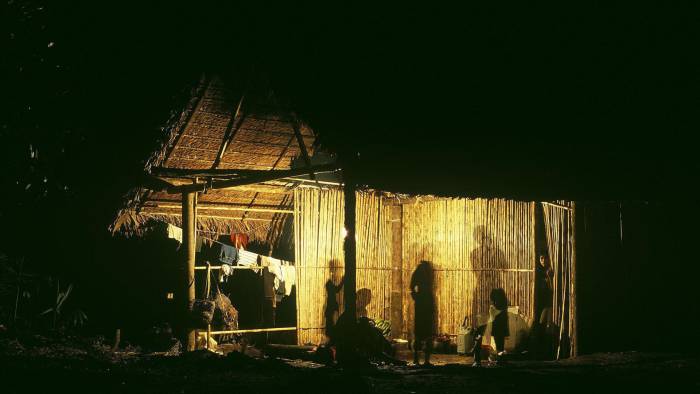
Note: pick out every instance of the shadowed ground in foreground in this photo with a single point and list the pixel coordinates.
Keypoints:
(59, 368)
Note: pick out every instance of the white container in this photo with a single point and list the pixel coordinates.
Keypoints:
(465, 340)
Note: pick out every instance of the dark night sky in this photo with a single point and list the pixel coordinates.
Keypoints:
(507, 99)
(545, 98)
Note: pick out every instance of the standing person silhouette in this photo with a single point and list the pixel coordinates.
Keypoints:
(544, 299)
(331, 311)
(424, 299)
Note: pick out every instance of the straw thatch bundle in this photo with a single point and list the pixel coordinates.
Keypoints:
(225, 315)
(222, 129)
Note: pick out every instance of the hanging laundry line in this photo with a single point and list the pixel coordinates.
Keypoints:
(284, 271)
(231, 267)
(175, 233)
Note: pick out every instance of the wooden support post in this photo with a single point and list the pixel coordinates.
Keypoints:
(208, 336)
(350, 279)
(189, 217)
(117, 339)
(396, 271)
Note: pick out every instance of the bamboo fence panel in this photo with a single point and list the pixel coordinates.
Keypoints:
(559, 229)
(319, 223)
(474, 246)
(319, 219)
(373, 251)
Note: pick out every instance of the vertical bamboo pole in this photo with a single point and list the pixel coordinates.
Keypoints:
(349, 287)
(297, 260)
(117, 339)
(573, 299)
(189, 217)
(208, 336)
(207, 288)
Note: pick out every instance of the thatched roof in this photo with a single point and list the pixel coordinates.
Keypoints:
(227, 133)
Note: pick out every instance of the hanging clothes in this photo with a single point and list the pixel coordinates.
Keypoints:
(290, 277)
(228, 254)
(275, 267)
(199, 241)
(269, 273)
(247, 258)
(174, 232)
(239, 240)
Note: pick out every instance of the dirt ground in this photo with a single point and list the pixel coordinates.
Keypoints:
(84, 365)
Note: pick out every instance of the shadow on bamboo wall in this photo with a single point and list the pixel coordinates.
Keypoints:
(475, 246)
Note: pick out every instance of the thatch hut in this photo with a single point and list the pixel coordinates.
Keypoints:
(234, 145)
(239, 160)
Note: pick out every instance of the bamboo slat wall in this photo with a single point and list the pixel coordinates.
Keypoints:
(373, 256)
(318, 225)
(319, 221)
(474, 246)
(559, 229)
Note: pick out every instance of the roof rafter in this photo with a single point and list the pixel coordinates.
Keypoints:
(262, 176)
(302, 146)
(233, 126)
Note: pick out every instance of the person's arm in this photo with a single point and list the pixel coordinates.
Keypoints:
(340, 285)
